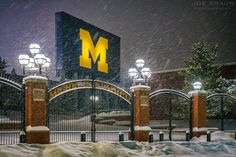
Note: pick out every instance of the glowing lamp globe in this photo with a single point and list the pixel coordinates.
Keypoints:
(47, 63)
(34, 49)
(197, 85)
(95, 98)
(146, 72)
(133, 73)
(31, 63)
(40, 59)
(139, 63)
(24, 59)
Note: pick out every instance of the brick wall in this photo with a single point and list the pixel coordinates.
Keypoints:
(174, 80)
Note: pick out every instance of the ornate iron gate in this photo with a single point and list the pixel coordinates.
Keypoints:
(11, 111)
(99, 109)
(171, 110)
(221, 109)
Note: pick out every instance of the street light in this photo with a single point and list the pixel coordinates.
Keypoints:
(139, 63)
(146, 72)
(197, 85)
(46, 65)
(24, 61)
(31, 66)
(95, 98)
(34, 49)
(38, 61)
(133, 73)
(31, 63)
(140, 74)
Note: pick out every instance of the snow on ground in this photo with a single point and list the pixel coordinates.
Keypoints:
(83, 124)
(222, 146)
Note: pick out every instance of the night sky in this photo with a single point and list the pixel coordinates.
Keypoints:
(159, 31)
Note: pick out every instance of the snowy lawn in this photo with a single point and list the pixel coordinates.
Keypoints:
(222, 145)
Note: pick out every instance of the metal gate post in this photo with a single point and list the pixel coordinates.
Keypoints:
(23, 134)
(170, 117)
(93, 129)
(191, 118)
(47, 108)
(222, 111)
(132, 118)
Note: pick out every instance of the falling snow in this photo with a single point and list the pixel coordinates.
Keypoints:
(160, 32)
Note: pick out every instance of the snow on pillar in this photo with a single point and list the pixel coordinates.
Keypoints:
(141, 112)
(199, 112)
(35, 109)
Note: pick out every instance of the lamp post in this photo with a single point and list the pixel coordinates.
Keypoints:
(37, 62)
(46, 65)
(40, 60)
(198, 110)
(140, 74)
(140, 102)
(34, 49)
(24, 61)
(197, 85)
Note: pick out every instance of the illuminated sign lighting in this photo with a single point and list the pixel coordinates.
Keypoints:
(99, 50)
(87, 84)
(84, 50)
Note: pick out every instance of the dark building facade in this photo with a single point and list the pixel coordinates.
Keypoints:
(82, 47)
(174, 80)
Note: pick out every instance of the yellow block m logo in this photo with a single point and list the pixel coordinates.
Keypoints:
(88, 47)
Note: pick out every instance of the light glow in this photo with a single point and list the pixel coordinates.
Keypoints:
(140, 63)
(146, 72)
(96, 52)
(197, 85)
(47, 63)
(34, 48)
(24, 59)
(133, 73)
(96, 98)
(40, 59)
(31, 63)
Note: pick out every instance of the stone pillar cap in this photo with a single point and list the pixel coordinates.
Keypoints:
(36, 128)
(34, 77)
(142, 128)
(197, 92)
(132, 88)
(196, 129)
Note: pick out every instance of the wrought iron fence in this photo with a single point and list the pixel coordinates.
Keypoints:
(99, 113)
(78, 111)
(173, 105)
(221, 111)
(56, 136)
(10, 111)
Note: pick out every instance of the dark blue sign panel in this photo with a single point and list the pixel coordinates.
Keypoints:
(84, 50)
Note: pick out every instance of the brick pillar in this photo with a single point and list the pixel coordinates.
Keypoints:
(199, 112)
(35, 109)
(141, 112)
